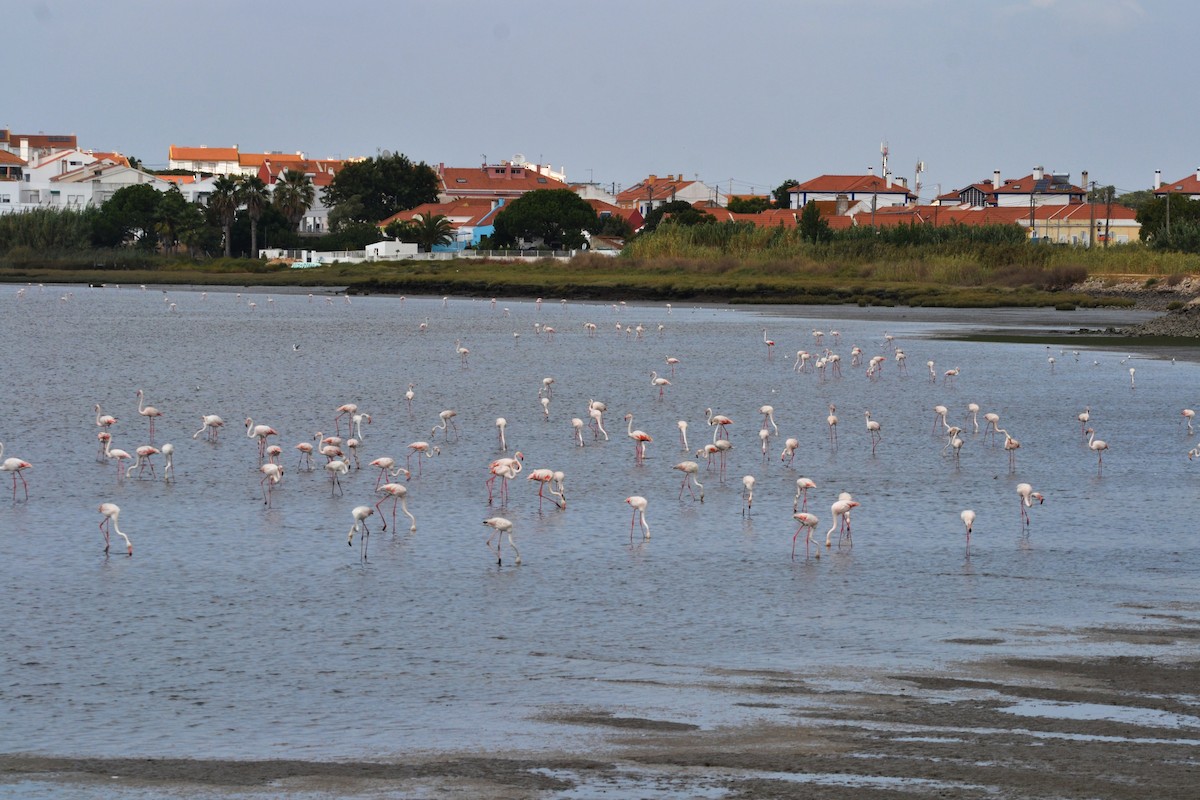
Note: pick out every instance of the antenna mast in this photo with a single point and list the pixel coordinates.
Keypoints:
(917, 182)
(883, 151)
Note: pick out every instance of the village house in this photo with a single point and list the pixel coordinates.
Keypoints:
(1037, 188)
(853, 191)
(1188, 185)
(649, 194)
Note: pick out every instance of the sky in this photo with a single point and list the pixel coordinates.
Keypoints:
(741, 95)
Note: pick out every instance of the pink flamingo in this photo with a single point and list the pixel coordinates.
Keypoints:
(259, 432)
(398, 493)
(447, 419)
(832, 422)
(502, 527)
(420, 449)
(336, 469)
(640, 440)
(143, 460)
(148, 411)
(689, 469)
(543, 477)
(672, 362)
(1083, 418)
(274, 452)
(808, 522)
(271, 475)
(501, 424)
(111, 453)
(638, 504)
(1027, 495)
(968, 520)
(104, 420)
(111, 512)
(168, 451)
(661, 383)
(841, 516)
(1188, 414)
(503, 468)
(385, 464)
(747, 493)
(596, 411)
(802, 487)
(360, 514)
(1098, 446)
(683, 426)
(768, 413)
(874, 429)
(210, 425)
(770, 343)
(789, 450)
(104, 437)
(1010, 445)
(347, 409)
(16, 466)
(719, 421)
(577, 430)
(408, 397)
(305, 462)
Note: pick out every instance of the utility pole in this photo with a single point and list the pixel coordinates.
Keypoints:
(1092, 220)
(1108, 199)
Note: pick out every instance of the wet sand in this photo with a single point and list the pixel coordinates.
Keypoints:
(1110, 727)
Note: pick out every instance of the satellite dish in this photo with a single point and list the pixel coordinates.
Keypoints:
(519, 158)
(386, 154)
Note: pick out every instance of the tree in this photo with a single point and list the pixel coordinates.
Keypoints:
(253, 194)
(1136, 200)
(1160, 216)
(428, 230)
(556, 217)
(224, 204)
(781, 194)
(175, 214)
(294, 195)
(680, 211)
(748, 205)
(376, 188)
(129, 216)
(811, 226)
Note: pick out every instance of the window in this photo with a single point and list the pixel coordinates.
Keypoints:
(460, 180)
(5, 198)
(541, 180)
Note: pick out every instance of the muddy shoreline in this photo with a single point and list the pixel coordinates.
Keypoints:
(1016, 727)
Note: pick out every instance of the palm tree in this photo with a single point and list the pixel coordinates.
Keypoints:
(224, 203)
(294, 195)
(428, 230)
(254, 196)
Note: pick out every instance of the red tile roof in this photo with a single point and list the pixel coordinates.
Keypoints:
(257, 159)
(1028, 185)
(653, 188)
(177, 153)
(1188, 185)
(460, 211)
(11, 158)
(496, 180)
(39, 141)
(846, 184)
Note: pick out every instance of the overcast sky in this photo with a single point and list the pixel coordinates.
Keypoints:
(742, 94)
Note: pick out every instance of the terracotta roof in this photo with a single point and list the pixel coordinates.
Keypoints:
(1028, 185)
(257, 159)
(653, 188)
(494, 179)
(116, 158)
(320, 170)
(460, 211)
(11, 158)
(40, 141)
(177, 178)
(845, 184)
(1188, 185)
(177, 153)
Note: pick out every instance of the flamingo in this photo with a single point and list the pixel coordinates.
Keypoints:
(274, 451)
(462, 352)
(109, 453)
(1083, 418)
(504, 468)
(640, 440)
(747, 493)
(993, 420)
(1132, 385)
(398, 493)
(683, 426)
(545, 401)
(149, 412)
(260, 432)
(104, 437)
(808, 522)
(210, 424)
(16, 466)
(802, 487)
(932, 374)
(168, 451)
(764, 437)
(1098, 446)
(954, 442)
(548, 387)
(770, 343)
(939, 412)
(305, 462)
(1188, 414)
(577, 430)
(1011, 445)
(672, 362)
(272, 474)
(111, 512)
(421, 449)
(336, 469)
(143, 460)
(501, 424)
(968, 520)
(360, 514)
(719, 421)
(345, 410)
(789, 451)
(104, 420)
(543, 477)
(638, 504)
(661, 383)
(386, 464)
(973, 410)
(1027, 495)
(356, 422)
(874, 429)
(596, 412)
(768, 413)
(949, 376)
(689, 470)
(841, 516)
(447, 419)
(501, 527)
(832, 422)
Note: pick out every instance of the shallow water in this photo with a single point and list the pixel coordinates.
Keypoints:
(237, 631)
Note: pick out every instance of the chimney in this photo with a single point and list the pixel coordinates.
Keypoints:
(843, 204)
(1157, 179)
(887, 178)
(1198, 173)
(1038, 173)
(871, 171)
(25, 150)
(995, 179)
(1084, 177)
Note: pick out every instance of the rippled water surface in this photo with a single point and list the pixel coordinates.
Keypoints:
(239, 631)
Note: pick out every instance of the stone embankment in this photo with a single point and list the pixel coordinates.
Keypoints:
(1156, 295)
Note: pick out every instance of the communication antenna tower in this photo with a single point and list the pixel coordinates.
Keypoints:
(917, 182)
(883, 151)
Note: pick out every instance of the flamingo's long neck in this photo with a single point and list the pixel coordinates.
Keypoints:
(629, 428)
(141, 403)
(249, 428)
